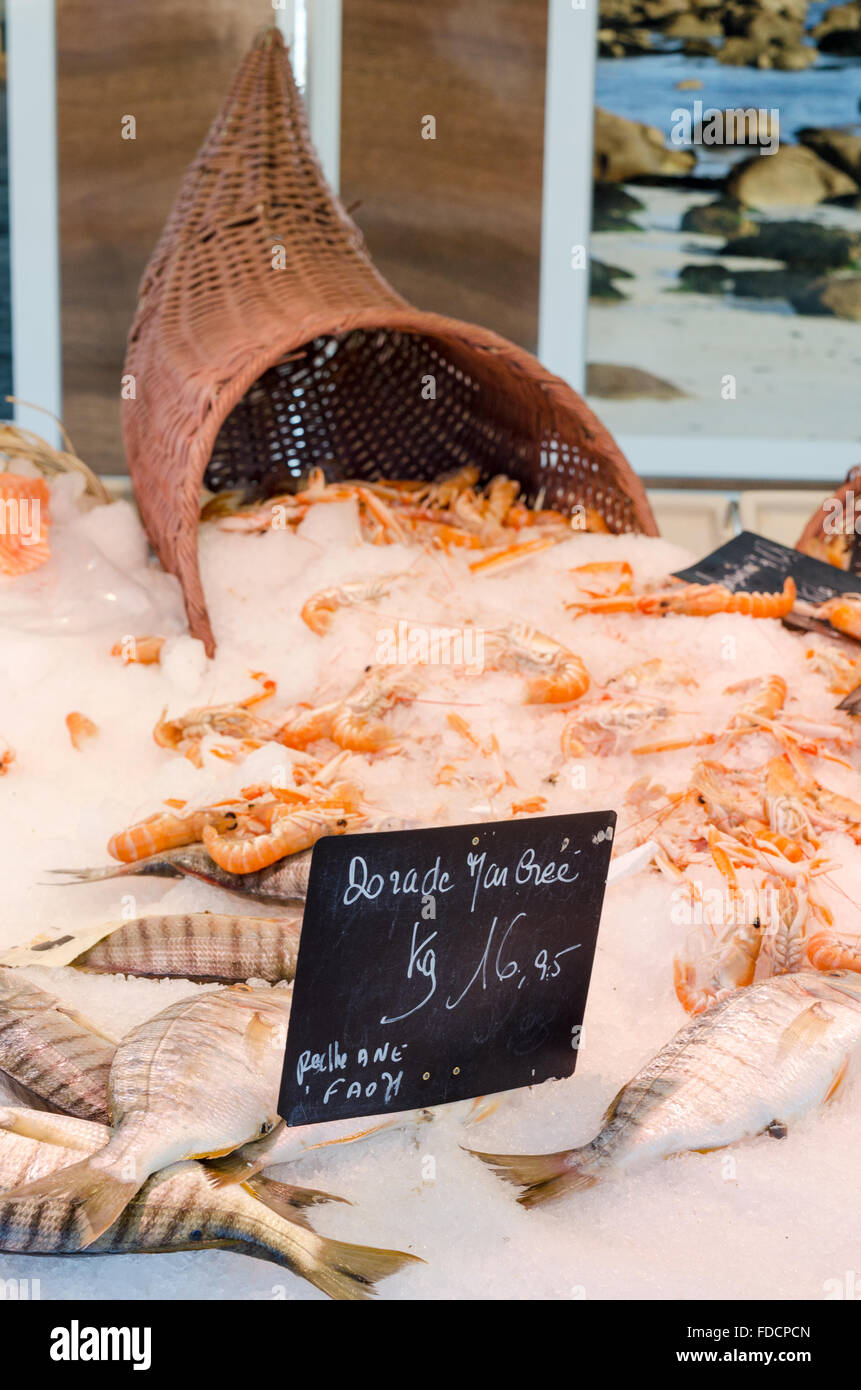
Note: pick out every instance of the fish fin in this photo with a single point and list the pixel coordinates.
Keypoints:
(396, 1122)
(808, 1028)
(155, 865)
(261, 1035)
(544, 1175)
(288, 1201)
(348, 1272)
(610, 1112)
(482, 1108)
(839, 1078)
(84, 1022)
(240, 1165)
(96, 1196)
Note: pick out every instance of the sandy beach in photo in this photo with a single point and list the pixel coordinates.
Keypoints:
(794, 358)
(794, 373)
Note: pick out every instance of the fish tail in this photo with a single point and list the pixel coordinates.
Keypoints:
(544, 1176)
(89, 875)
(91, 1199)
(287, 1200)
(155, 866)
(344, 1272)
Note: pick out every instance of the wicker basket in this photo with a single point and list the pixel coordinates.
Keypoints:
(814, 539)
(265, 342)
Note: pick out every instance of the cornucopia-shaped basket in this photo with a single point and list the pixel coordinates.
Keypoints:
(265, 342)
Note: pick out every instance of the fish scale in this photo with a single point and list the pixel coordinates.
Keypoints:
(201, 946)
(50, 1052)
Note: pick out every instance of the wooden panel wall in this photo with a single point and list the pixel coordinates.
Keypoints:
(455, 222)
(167, 63)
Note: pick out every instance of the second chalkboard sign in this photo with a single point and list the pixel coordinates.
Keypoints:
(441, 964)
(756, 564)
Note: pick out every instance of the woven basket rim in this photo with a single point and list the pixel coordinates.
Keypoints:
(199, 365)
(417, 323)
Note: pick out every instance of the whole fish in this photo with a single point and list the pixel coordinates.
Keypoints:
(752, 1064)
(199, 946)
(283, 883)
(51, 1051)
(199, 1079)
(175, 1210)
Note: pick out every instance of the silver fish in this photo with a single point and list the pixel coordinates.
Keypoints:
(51, 1051)
(199, 1079)
(175, 1210)
(199, 946)
(285, 882)
(752, 1064)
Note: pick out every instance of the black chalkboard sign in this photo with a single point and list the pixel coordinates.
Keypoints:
(440, 964)
(754, 564)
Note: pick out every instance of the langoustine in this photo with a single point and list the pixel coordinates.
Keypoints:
(236, 721)
(555, 675)
(695, 601)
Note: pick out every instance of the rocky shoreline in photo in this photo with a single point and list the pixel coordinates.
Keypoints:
(738, 33)
(710, 319)
(820, 267)
(773, 213)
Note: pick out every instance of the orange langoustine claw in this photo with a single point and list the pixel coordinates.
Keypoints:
(24, 524)
(80, 728)
(604, 578)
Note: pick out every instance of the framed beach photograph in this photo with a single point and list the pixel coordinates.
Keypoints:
(725, 312)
